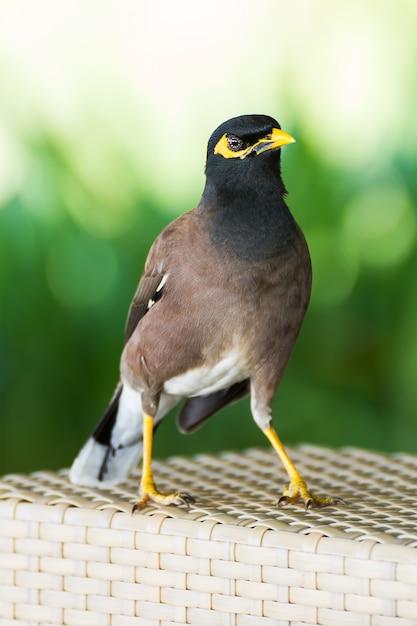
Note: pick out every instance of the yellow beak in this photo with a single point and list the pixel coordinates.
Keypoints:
(273, 141)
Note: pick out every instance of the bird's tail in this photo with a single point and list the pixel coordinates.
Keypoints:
(115, 446)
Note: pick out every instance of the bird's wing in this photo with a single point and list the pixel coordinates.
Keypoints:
(154, 274)
(198, 409)
(149, 288)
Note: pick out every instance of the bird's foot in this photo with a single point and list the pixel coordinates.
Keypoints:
(297, 490)
(149, 493)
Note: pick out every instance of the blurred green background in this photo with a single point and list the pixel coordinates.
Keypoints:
(105, 111)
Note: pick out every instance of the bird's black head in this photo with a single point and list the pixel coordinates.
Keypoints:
(245, 150)
(244, 192)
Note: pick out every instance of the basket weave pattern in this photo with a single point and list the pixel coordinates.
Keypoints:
(73, 555)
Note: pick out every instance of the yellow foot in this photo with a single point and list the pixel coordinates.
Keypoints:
(150, 494)
(297, 490)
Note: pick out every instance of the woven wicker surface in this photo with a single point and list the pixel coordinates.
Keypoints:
(72, 555)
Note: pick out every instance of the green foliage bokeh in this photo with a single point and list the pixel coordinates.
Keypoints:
(96, 160)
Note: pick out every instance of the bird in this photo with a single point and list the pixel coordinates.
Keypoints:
(215, 317)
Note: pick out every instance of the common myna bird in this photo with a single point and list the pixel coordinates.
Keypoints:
(215, 316)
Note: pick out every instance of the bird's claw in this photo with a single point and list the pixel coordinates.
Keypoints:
(186, 498)
(152, 495)
(297, 490)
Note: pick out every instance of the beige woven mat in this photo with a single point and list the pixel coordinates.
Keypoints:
(242, 489)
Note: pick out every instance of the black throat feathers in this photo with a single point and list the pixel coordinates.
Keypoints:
(249, 218)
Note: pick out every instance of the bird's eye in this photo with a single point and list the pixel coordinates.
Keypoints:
(234, 143)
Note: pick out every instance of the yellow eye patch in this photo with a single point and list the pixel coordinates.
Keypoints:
(222, 148)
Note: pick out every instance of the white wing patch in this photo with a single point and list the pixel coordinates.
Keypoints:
(158, 290)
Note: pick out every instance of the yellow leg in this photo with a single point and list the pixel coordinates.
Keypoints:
(148, 491)
(297, 487)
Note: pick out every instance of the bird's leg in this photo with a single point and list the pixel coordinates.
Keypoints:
(297, 488)
(148, 490)
(261, 407)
